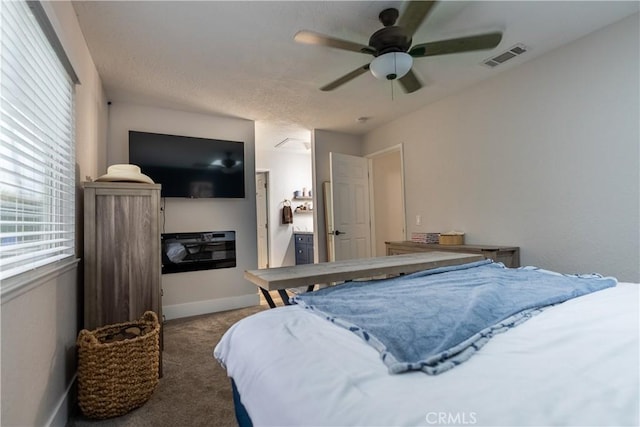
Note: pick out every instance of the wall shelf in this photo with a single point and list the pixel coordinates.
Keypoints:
(302, 204)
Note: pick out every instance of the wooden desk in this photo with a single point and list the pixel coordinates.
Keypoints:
(281, 278)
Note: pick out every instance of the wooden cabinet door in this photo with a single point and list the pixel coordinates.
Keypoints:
(122, 252)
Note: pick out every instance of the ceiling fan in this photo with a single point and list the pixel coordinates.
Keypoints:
(392, 46)
(228, 164)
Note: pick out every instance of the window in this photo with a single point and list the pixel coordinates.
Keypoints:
(37, 156)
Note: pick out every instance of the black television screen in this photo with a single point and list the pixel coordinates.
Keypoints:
(188, 166)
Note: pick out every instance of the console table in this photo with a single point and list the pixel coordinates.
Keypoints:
(281, 278)
(508, 255)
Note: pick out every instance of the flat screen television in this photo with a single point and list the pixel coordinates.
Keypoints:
(190, 167)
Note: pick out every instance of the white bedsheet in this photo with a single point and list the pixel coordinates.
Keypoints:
(574, 364)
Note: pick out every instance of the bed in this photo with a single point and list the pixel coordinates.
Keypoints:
(574, 362)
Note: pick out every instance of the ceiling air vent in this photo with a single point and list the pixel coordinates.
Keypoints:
(294, 144)
(513, 51)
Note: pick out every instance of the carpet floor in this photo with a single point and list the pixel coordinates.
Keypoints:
(195, 389)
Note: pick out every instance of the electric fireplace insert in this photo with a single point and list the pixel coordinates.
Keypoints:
(198, 251)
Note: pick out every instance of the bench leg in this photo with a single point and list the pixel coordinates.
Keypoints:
(284, 296)
(267, 297)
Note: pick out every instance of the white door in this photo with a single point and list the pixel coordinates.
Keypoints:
(350, 236)
(263, 219)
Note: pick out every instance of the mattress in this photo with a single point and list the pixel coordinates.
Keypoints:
(577, 363)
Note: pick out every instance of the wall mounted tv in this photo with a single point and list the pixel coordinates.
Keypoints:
(188, 166)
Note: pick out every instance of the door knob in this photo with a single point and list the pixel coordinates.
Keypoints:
(337, 232)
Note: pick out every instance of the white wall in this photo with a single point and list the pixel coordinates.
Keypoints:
(388, 224)
(198, 292)
(39, 326)
(288, 171)
(544, 156)
(322, 143)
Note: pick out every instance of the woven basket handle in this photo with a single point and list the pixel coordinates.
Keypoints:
(150, 316)
(87, 338)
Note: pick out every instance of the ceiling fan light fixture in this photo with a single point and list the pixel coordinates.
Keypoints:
(391, 65)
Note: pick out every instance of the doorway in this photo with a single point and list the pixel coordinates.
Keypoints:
(386, 176)
(262, 218)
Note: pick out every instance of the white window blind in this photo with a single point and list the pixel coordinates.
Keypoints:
(37, 156)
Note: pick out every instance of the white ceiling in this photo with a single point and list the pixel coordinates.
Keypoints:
(238, 58)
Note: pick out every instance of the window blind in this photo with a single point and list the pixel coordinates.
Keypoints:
(37, 156)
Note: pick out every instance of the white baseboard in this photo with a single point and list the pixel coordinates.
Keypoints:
(177, 311)
(63, 409)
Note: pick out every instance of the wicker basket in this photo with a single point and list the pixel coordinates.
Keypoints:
(451, 239)
(116, 377)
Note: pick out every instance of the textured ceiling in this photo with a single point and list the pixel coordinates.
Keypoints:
(238, 58)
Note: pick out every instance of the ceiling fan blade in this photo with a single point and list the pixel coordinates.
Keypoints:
(346, 78)
(309, 37)
(414, 14)
(410, 82)
(462, 44)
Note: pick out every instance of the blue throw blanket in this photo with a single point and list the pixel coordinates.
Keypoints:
(436, 319)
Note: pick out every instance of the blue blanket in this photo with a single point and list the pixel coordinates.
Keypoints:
(436, 319)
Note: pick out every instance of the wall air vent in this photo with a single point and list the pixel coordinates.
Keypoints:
(294, 144)
(512, 52)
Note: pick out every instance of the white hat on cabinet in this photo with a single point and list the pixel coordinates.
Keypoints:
(127, 173)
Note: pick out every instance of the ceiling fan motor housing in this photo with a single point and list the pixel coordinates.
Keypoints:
(389, 39)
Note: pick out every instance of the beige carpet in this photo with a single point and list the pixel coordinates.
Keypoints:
(195, 390)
